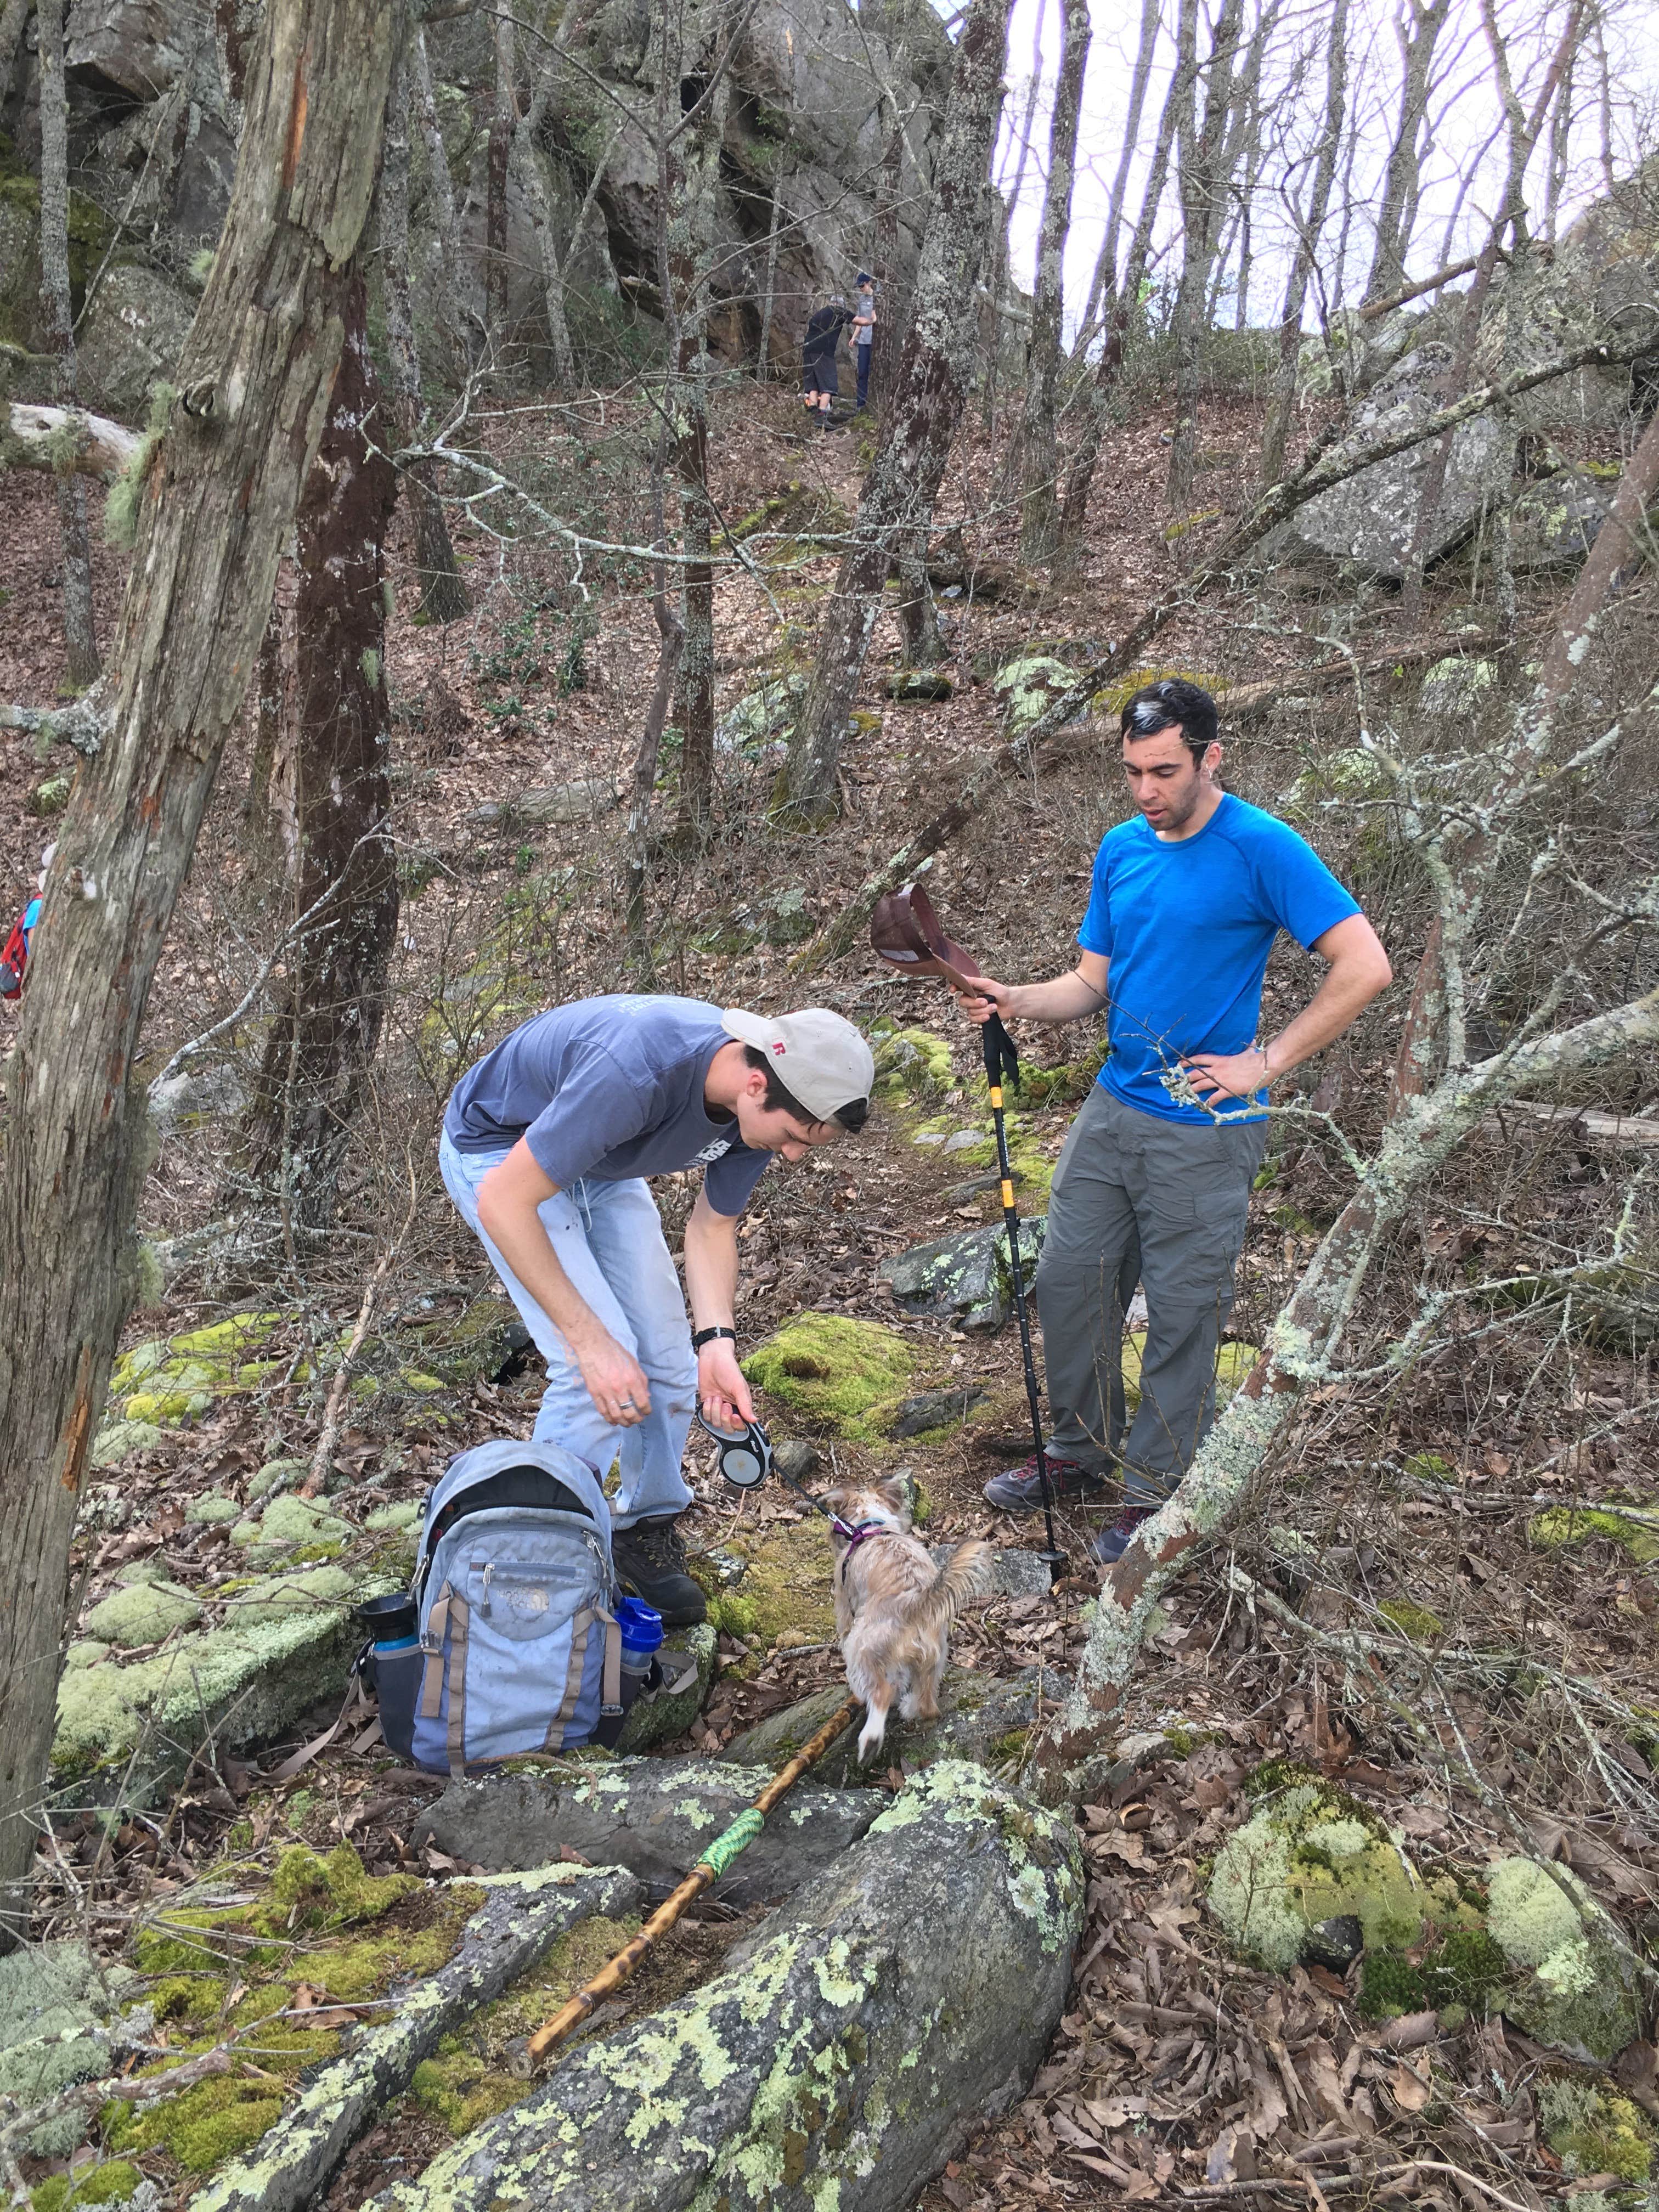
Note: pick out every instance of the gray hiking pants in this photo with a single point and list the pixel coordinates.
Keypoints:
(1139, 1200)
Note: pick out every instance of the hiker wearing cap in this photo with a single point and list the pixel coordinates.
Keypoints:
(1154, 1182)
(818, 380)
(864, 333)
(547, 1143)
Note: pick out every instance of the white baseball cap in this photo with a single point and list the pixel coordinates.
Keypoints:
(819, 1058)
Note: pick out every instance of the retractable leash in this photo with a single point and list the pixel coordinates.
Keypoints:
(906, 932)
(746, 1459)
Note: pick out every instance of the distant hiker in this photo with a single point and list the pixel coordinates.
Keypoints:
(864, 332)
(15, 955)
(546, 1145)
(1154, 1183)
(818, 385)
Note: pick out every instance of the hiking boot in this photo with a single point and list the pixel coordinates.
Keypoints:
(1112, 1543)
(1019, 1488)
(650, 1563)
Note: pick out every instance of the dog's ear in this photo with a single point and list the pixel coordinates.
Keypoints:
(895, 1494)
(835, 1500)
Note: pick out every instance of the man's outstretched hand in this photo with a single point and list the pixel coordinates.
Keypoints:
(990, 997)
(722, 1386)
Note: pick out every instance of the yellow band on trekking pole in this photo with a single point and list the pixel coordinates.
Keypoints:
(996, 1097)
(1008, 1197)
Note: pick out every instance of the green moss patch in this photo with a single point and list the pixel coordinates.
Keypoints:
(786, 1587)
(143, 1613)
(1413, 1621)
(838, 1375)
(1563, 1528)
(110, 2183)
(911, 1064)
(1592, 2130)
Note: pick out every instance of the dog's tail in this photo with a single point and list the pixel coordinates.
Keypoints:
(963, 1575)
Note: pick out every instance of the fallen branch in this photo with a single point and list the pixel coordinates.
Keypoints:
(1583, 1120)
(82, 724)
(334, 1413)
(66, 440)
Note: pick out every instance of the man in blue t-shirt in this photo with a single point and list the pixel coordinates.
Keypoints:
(1154, 1182)
(546, 1145)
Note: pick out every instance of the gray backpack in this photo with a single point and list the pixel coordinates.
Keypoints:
(520, 1650)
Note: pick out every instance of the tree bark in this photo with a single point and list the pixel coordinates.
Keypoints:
(443, 595)
(763, 353)
(1102, 286)
(1310, 230)
(1039, 533)
(14, 15)
(332, 796)
(79, 633)
(503, 122)
(221, 494)
(904, 479)
(1417, 30)
(1121, 309)
(458, 307)
(890, 319)
(1202, 180)
(671, 637)
(691, 182)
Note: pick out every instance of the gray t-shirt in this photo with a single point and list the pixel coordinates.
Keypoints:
(610, 1088)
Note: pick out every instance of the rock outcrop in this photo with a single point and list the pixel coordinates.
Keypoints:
(840, 2056)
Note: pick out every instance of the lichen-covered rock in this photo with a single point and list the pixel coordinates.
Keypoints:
(966, 1278)
(937, 1409)
(142, 1613)
(983, 1719)
(911, 1064)
(1372, 521)
(1312, 1855)
(119, 1440)
(1554, 525)
(1027, 686)
(1579, 1991)
(1592, 2130)
(840, 2056)
(56, 2004)
(655, 1815)
(524, 1915)
(834, 1373)
(133, 335)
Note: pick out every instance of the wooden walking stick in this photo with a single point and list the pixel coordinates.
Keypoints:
(709, 1869)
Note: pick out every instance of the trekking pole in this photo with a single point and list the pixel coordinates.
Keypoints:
(709, 1869)
(1001, 1058)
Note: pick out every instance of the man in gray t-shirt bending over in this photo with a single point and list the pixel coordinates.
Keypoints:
(546, 1145)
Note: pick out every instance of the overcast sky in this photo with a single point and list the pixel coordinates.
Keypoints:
(1466, 115)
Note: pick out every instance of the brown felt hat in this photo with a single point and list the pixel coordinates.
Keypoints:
(905, 931)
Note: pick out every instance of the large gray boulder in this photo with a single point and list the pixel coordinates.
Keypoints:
(965, 1278)
(840, 2056)
(134, 333)
(1370, 522)
(655, 1815)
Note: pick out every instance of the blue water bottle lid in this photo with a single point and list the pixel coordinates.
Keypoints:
(640, 1625)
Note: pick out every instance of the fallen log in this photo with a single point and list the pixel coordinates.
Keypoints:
(67, 441)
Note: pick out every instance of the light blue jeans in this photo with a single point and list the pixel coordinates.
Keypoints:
(608, 1238)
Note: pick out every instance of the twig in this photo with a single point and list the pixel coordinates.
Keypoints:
(336, 1407)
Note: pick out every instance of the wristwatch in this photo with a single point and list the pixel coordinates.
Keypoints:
(708, 1336)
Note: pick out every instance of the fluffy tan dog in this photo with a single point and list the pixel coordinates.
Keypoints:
(894, 1607)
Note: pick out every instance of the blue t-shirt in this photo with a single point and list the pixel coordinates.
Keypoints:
(610, 1088)
(1188, 924)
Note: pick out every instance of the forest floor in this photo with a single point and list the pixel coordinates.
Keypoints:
(1401, 1505)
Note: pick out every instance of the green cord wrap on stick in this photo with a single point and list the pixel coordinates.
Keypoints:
(738, 1838)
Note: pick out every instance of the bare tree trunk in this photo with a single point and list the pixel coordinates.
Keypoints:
(532, 168)
(457, 310)
(443, 595)
(1203, 183)
(689, 191)
(1121, 311)
(78, 630)
(1417, 29)
(1040, 517)
(220, 496)
(1103, 286)
(331, 763)
(763, 352)
(890, 317)
(997, 283)
(503, 123)
(1308, 232)
(904, 479)
(670, 636)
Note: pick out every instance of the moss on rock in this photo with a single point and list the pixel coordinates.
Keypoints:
(1563, 1528)
(837, 1373)
(1314, 1854)
(1574, 1988)
(142, 1613)
(786, 1586)
(911, 1064)
(1592, 2130)
(1413, 1621)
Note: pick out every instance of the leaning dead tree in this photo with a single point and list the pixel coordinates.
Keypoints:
(1463, 815)
(220, 496)
(904, 478)
(78, 630)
